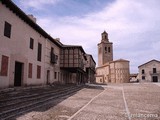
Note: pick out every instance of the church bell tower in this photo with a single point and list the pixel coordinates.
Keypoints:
(105, 50)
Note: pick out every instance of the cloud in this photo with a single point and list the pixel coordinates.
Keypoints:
(37, 4)
(133, 27)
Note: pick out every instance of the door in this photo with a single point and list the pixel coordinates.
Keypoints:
(18, 74)
(155, 78)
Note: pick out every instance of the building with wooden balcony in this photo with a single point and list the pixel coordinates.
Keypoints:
(149, 71)
(30, 56)
(90, 68)
(52, 62)
(72, 64)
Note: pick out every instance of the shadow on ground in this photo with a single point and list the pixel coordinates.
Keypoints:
(45, 106)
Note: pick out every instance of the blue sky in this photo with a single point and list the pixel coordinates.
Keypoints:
(61, 8)
(133, 25)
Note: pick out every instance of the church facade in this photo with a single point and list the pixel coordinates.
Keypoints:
(109, 70)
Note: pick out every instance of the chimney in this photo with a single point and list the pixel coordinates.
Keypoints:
(32, 18)
(58, 39)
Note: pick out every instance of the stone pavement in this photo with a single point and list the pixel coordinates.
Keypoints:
(129, 101)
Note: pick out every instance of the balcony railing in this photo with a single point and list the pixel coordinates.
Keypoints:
(54, 58)
(151, 72)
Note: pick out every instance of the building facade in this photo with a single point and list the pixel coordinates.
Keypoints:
(30, 56)
(90, 68)
(52, 62)
(149, 71)
(20, 53)
(109, 71)
(73, 60)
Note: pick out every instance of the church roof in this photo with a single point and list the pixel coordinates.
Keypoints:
(120, 60)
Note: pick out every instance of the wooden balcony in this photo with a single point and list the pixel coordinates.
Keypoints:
(72, 57)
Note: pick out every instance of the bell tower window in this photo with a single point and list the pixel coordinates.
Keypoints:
(105, 48)
(109, 49)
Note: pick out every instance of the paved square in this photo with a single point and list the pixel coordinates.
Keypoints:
(127, 101)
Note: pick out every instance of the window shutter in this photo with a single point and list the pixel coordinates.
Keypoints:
(4, 65)
(30, 70)
(38, 72)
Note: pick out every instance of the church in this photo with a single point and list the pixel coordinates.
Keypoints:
(109, 70)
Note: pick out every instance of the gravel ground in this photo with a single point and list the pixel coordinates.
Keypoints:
(62, 108)
(112, 102)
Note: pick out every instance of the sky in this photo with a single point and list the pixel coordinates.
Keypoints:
(132, 25)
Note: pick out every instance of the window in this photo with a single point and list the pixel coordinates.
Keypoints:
(30, 70)
(109, 49)
(55, 75)
(154, 70)
(143, 71)
(38, 72)
(4, 66)
(105, 48)
(52, 50)
(31, 43)
(7, 29)
(39, 52)
(143, 77)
